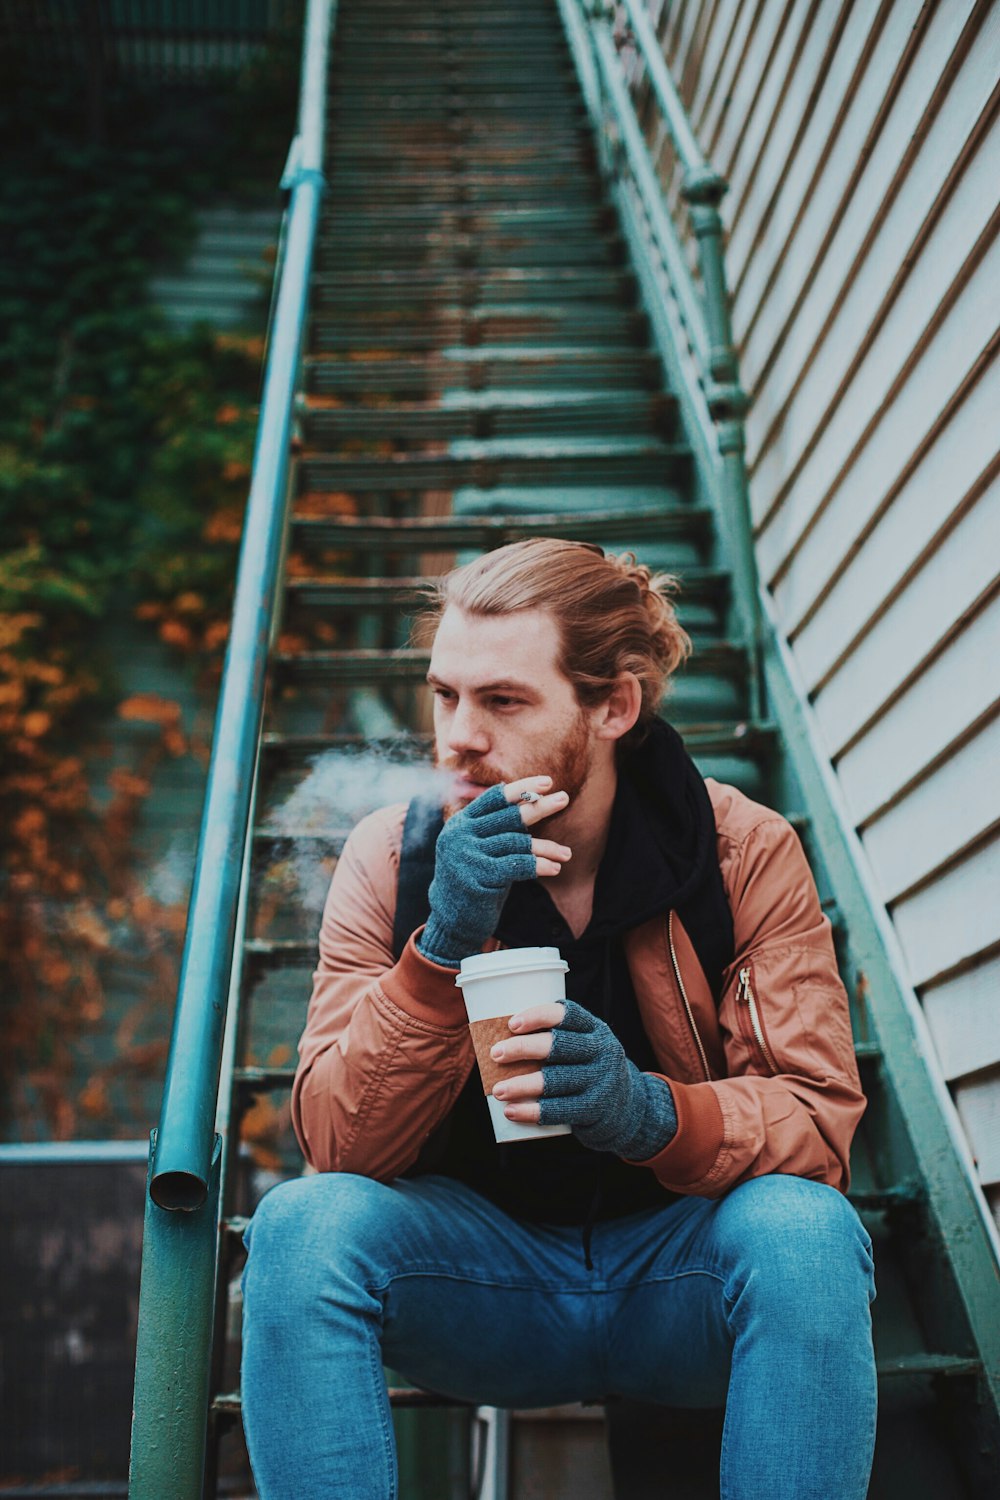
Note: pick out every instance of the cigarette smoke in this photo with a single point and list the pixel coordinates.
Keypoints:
(339, 789)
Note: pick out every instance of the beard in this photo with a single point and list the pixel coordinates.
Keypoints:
(567, 760)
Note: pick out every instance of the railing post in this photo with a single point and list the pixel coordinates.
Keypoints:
(707, 318)
(176, 1310)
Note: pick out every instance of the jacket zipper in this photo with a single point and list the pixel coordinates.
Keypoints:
(684, 997)
(745, 996)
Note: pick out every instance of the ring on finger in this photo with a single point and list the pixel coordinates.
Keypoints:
(528, 796)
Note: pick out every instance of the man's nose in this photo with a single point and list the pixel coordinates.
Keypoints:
(467, 730)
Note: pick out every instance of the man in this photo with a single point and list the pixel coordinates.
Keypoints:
(688, 1243)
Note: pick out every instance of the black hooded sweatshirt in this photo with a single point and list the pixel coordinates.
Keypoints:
(660, 856)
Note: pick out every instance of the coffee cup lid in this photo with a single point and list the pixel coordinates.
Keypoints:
(510, 961)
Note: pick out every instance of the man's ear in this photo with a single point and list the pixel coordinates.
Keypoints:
(620, 709)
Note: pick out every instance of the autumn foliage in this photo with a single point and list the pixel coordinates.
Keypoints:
(125, 454)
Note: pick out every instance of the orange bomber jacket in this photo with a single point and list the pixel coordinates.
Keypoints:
(765, 1082)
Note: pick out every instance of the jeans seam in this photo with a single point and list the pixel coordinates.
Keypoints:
(381, 1402)
(474, 1278)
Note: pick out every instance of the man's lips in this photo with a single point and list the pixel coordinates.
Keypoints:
(464, 787)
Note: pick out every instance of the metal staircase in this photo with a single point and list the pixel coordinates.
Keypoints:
(484, 358)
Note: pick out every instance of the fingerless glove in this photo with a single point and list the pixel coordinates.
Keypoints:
(593, 1087)
(480, 852)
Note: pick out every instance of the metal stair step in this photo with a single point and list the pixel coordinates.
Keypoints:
(502, 461)
(711, 586)
(493, 368)
(463, 218)
(466, 414)
(738, 737)
(463, 255)
(449, 533)
(362, 666)
(382, 289)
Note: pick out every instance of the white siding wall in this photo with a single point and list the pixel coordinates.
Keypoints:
(861, 142)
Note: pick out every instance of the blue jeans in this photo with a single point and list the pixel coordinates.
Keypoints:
(758, 1301)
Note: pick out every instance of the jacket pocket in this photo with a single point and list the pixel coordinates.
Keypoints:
(751, 1020)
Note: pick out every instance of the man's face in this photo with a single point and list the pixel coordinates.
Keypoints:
(502, 708)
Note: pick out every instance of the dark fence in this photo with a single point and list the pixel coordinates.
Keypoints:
(182, 41)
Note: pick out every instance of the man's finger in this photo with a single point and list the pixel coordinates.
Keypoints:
(535, 798)
(538, 1017)
(527, 1086)
(548, 849)
(535, 1047)
(523, 1114)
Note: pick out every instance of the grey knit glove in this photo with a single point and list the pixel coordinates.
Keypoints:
(592, 1086)
(480, 852)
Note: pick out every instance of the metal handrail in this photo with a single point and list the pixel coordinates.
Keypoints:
(703, 309)
(184, 1144)
(180, 1248)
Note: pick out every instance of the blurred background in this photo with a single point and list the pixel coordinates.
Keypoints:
(142, 146)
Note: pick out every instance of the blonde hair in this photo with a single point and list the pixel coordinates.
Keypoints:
(614, 614)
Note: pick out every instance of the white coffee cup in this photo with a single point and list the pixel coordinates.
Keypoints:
(496, 986)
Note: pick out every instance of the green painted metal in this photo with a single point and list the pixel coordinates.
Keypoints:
(704, 314)
(184, 1139)
(176, 1309)
(181, 1224)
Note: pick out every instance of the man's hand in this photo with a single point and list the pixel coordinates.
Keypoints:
(587, 1083)
(480, 853)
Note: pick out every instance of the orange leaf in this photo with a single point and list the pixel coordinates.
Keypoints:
(36, 724)
(150, 708)
(228, 414)
(174, 742)
(226, 525)
(216, 635)
(29, 823)
(176, 634)
(189, 604)
(93, 1099)
(127, 784)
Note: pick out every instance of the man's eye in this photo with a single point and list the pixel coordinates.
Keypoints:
(501, 702)
(445, 693)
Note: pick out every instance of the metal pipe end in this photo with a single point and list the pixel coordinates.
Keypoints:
(178, 1191)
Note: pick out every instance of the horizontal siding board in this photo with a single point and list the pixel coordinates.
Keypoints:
(716, 99)
(962, 570)
(979, 1109)
(935, 711)
(947, 310)
(953, 920)
(861, 374)
(850, 249)
(925, 505)
(963, 1015)
(941, 816)
(812, 183)
(743, 169)
(751, 213)
(769, 22)
(948, 293)
(718, 44)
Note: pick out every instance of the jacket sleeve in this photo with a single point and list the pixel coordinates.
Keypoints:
(791, 1098)
(386, 1046)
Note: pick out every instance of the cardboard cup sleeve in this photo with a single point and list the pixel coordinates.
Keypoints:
(486, 1034)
